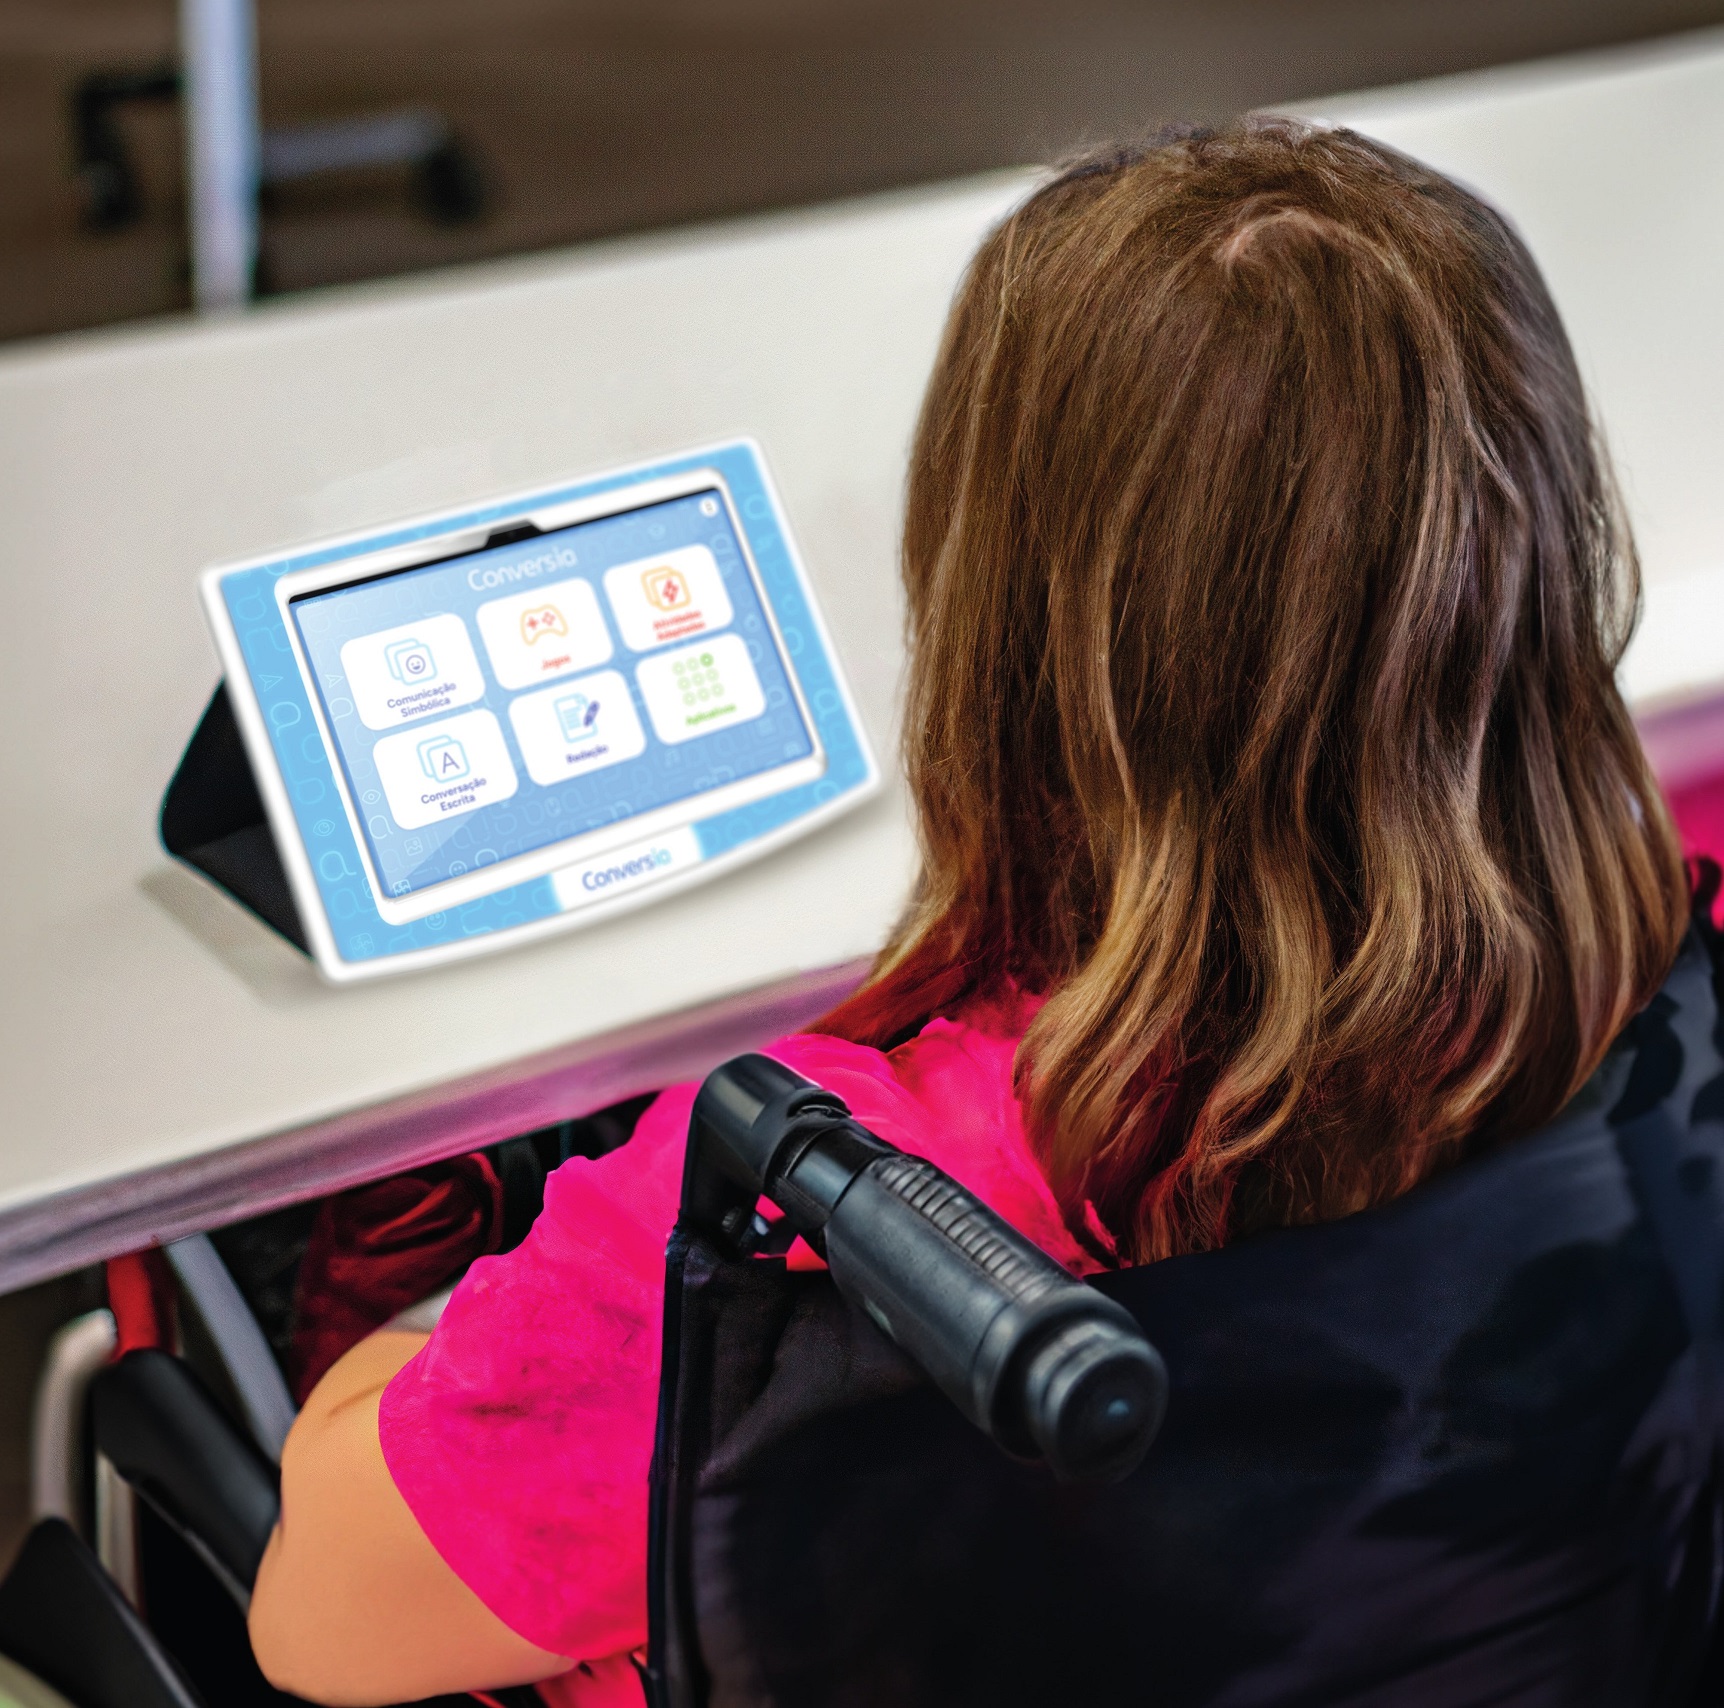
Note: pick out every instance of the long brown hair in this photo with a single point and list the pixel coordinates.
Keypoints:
(1266, 586)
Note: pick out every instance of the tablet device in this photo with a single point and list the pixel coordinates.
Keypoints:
(480, 727)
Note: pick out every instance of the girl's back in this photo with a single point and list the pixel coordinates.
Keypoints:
(1290, 866)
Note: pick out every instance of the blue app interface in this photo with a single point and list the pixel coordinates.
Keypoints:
(522, 695)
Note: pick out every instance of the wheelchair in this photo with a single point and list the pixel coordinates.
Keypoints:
(1032, 1357)
(1438, 1452)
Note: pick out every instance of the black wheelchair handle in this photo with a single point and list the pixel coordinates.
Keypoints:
(1044, 1364)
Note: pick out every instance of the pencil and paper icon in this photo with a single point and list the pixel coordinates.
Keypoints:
(577, 713)
(577, 727)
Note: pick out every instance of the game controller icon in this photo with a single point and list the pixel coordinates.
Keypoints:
(542, 620)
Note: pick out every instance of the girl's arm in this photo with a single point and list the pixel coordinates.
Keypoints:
(353, 1605)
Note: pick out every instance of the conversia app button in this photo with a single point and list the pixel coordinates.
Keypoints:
(439, 771)
(412, 671)
(576, 727)
(543, 633)
(657, 600)
(699, 690)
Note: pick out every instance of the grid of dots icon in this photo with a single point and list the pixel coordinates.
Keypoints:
(698, 678)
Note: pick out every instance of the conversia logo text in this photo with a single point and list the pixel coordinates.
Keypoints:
(483, 576)
(602, 877)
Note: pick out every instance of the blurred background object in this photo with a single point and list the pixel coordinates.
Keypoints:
(404, 134)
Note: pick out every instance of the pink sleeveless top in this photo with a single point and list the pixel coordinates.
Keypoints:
(520, 1436)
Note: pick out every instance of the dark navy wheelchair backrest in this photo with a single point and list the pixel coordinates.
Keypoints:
(1463, 1449)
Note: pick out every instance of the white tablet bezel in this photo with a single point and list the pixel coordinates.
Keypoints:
(432, 545)
(570, 851)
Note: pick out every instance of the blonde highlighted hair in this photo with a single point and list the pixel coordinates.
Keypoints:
(1266, 586)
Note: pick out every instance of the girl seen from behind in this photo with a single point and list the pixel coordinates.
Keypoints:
(1286, 843)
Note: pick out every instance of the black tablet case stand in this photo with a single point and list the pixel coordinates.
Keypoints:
(213, 819)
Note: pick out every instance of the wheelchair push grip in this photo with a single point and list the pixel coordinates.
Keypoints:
(1043, 1363)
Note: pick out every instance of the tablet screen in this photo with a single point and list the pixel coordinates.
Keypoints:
(492, 704)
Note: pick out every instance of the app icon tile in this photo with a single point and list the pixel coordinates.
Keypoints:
(543, 633)
(577, 726)
(439, 771)
(399, 675)
(657, 600)
(701, 689)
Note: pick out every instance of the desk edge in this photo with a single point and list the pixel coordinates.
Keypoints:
(152, 1206)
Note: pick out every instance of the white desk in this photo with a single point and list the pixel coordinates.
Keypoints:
(166, 1063)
